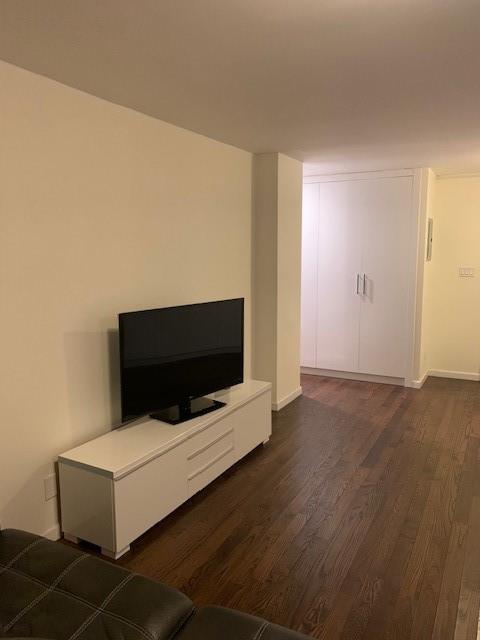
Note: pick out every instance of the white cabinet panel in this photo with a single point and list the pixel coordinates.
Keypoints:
(87, 505)
(309, 275)
(386, 232)
(339, 260)
(254, 422)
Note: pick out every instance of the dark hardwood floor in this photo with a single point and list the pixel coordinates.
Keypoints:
(360, 518)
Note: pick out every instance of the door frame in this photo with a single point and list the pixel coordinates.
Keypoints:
(416, 256)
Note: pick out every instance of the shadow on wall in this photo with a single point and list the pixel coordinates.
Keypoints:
(92, 373)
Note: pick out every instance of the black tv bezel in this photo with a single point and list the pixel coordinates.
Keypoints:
(174, 401)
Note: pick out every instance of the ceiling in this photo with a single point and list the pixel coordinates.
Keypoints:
(343, 84)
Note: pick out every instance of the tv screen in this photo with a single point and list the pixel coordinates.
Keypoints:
(172, 355)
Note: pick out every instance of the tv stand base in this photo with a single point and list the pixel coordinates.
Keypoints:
(187, 410)
(117, 486)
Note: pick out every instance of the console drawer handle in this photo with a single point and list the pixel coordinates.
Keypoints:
(209, 464)
(208, 445)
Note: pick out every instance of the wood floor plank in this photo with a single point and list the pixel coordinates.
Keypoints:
(359, 520)
(469, 601)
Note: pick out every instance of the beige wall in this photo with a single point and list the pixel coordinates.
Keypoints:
(277, 272)
(265, 268)
(453, 303)
(427, 325)
(289, 248)
(102, 210)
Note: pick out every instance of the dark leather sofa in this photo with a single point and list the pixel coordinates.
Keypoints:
(50, 590)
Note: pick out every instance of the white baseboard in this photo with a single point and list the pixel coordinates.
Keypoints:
(415, 384)
(276, 406)
(459, 375)
(53, 533)
(350, 375)
(418, 384)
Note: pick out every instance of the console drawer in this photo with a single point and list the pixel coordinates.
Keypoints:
(210, 458)
(208, 436)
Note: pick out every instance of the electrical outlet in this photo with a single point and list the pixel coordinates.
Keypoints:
(466, 272)
(50, 486)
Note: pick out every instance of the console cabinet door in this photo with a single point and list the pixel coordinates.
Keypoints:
(146, 496)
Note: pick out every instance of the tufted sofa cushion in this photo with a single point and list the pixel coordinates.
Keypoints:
(49, 590)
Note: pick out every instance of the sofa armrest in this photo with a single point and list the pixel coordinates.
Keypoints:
(218, 623)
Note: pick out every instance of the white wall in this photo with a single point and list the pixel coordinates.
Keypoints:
(453, 304)
(277, 273)
(102, 210)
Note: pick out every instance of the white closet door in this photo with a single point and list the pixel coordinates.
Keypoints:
(339, 262)
(309, 275)
(386, 223)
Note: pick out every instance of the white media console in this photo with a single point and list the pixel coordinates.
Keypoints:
(114, 488)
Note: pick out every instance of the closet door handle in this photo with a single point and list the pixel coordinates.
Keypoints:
(358, 284)
(364, 284)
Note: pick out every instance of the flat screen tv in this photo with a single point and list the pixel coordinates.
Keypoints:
(170, 358)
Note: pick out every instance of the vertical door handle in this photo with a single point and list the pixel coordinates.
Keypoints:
(358, 283)
(364, 284)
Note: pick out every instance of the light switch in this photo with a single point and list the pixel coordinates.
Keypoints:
(466, 272)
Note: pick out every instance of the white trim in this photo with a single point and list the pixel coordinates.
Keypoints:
(53, 533)
(351, 375)
(458, 375)
(418, 384)
(448, 176)
(276, 406)
(362, 175)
